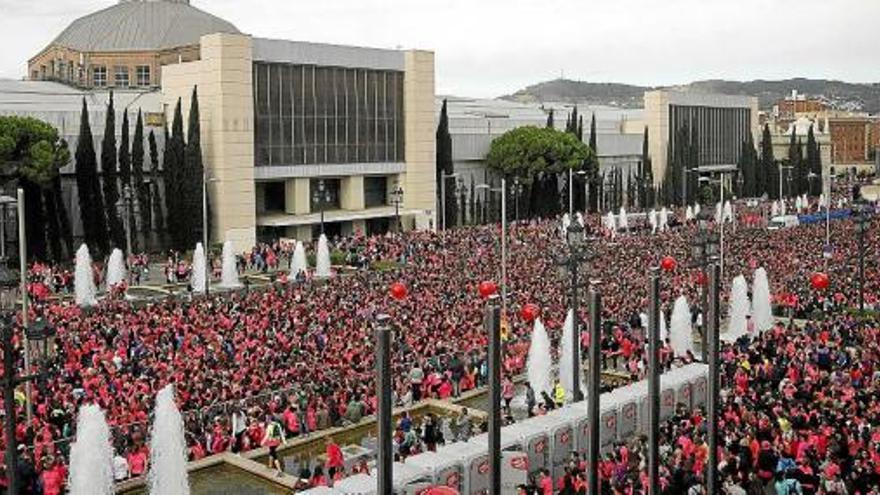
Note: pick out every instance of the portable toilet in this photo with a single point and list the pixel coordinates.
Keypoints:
(578, 421)
(667, 396)
(627, 411)
(443, 468)
(359, 484)
(319, 490)
(473, 459)
(562, 439)
(698, 376)
(516, 464)
(607, 421)
(407, 479)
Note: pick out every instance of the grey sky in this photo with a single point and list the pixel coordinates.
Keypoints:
(493, 47)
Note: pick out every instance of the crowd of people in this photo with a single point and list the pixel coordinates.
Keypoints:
(297, 357)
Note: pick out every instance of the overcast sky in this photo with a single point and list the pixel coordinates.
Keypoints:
(494, 47)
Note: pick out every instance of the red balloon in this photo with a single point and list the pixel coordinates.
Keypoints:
(530, 312)
(667, 263)
(820, 281)
(700, 278)
(487, 288)
(398, 291)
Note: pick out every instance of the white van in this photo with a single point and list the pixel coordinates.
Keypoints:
(781, 222)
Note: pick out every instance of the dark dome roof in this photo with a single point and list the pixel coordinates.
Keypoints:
(138, 25)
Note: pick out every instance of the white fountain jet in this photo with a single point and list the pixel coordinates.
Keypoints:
(761, 308)
(739, 309)
(681, 337)
(168, 475)
(84, 279)
(229, 275)
(565, 358)
(322, 263)
(540, 362)
(91, 456)
(198, 269)
(116, 272)
(298, 263)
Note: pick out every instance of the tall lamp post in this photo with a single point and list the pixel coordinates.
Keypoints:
(518, 189)
(383, 392)
(704, 247)
(397, 200)
(443, 197)
(579, 253)
(205, 233)
(5, 202)
(787, 170)
(39, 346)
(503, 191)
(127, 206)
(320, 198)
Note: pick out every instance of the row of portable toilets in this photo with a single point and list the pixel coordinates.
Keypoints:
(542, 442)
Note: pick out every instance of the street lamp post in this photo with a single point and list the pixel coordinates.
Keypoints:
(5, 201)
(518, 189)
(654, 381)
(127, 205)
(503, 191)
(397, 200)
(205, 233)
(703, 249)
(383, 392)
(787, 170)
(492, 323)
(445, 177)
(713, 332)
(320, 197)
(39, 347)
(862, 224)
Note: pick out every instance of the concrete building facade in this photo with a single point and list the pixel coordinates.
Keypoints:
(291, 130)
(721, 123)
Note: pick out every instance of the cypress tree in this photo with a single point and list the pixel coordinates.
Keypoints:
(593, 167)
(193, 177)
(175, 151)
(580, 128)
(124, 153)
(109, 175)
(91, 203)
(473, 203)
(800, 168)
(139, 187)
(550, 123)
(444, 166)
(769, 169)
(748, 168)
(814, 162)
(154, 196)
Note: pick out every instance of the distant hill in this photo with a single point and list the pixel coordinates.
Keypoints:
(838, 94)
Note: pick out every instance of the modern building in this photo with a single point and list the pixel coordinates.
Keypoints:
(126, 44)
(720, 123)
(296, 137)
(303, 136)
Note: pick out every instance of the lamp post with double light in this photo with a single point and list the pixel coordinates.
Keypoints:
(320, 197)
(397, 200)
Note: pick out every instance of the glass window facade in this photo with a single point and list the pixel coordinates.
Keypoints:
(375, 191)
(719, 132)
(308, 114)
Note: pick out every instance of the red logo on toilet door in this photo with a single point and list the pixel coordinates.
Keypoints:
(611, 421)
(452, 480)
(669, 399)
(564, 437)
(540, 446)
(629, 411)
(520, 463)
(483, 468)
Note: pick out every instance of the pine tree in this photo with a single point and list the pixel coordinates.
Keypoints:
(109, 175)
(125, 175)
(800, 168)
(580, 128)
(748, 168)
(194, 175)
(91, 203)
(550, 123)
(139, 187)
(593, 167)
(473, 203)
(769, 168)
(154, 198)
(444, 166)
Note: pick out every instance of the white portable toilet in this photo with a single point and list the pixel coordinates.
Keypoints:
(407, 479)
(443, 468)
(562, 438)
(319, 490)
(578, 421)
(359, 484)
(608, 405)
(473, 459)
(627, 411)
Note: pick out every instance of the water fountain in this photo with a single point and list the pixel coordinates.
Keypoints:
(624, 221)
(566, 223)
(540, 362)
(822, 200)
(565, 357)
(91, 456)
(697, 209)
(298, 263)
(116, 272)
(664, 219)
(229, 275)
(83, 278)
(774, 209)
(322, 264)
(805, 202)
(718, 212)
(168, 475)
(198, 269)
(728, 212)
(783, 207)
(688, 214)
(681, 336)
(611, 222)
(739, 308)
(579, 218)
(761, 309)
(652, 220)
(798, 204)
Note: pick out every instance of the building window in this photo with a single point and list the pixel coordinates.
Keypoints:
(121, 76)
(375, 191)
(143, 75)
(99, 76)
(313, 115)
